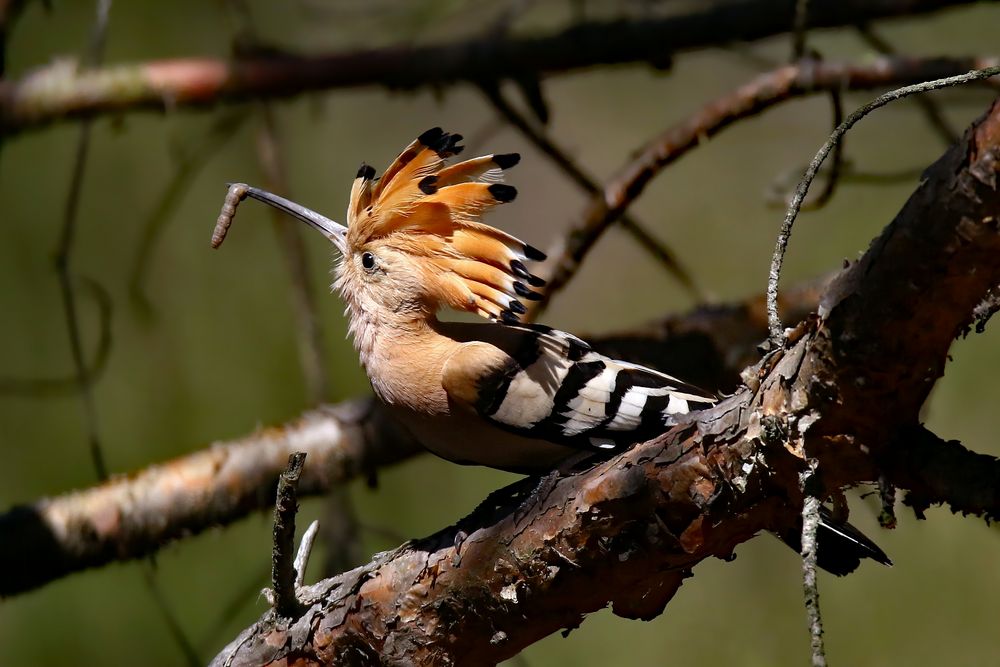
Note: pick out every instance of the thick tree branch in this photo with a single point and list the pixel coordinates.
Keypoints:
(131, 516)
(627, 531)
(935, 471)
(137, 514)
(61, 91)
(767, 90)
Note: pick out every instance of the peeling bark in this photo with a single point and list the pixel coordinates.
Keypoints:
(131, 516)
(625, 533)
(136, 514)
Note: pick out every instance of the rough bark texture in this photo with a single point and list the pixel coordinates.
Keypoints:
(134, 515)
(62, 91)
(846, 388)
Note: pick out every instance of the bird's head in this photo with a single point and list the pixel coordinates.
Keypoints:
(414, 241)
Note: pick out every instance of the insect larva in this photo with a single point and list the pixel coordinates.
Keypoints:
(237, 193)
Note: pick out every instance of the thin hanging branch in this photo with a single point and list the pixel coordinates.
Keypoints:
(774, 322)
(92, 370)
(64, 254)
(930, 109)
(767, 90)
(657, 249)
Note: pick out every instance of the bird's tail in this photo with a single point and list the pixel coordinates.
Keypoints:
(840, 547)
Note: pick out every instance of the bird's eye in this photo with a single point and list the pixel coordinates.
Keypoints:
(368, 261)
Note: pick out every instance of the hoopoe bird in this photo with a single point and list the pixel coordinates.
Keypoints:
(503, 394)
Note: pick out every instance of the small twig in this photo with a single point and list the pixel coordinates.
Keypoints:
(658, 250)
(233, 607)
(305, 550)
(887, 498)
(931, 111)
(779, 196)
(286, 603)
(64, 252)
(58, 386)
(169, 616)
(774, 321)
(799, 29)
(810, 525)
(188, 164)
(312, 357)
(765, 91)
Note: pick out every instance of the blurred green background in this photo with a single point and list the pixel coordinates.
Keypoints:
(215, 355)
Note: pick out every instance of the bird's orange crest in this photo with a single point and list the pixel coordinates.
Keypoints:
(431, 210)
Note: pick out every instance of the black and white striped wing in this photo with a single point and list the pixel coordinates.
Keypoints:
(554, 387)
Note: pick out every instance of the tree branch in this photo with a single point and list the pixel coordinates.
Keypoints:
(938, 472)
(61, 91)
(629, 530)
(131, 516)
(136, 514)
(767, 90)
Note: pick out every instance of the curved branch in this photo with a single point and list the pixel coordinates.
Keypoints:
(61, 91)
(767, 90)
(136, 514)
(628, 531)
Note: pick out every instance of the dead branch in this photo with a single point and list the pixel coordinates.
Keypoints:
(939, 472)
(130, 516)
(61, 91)
(767, 90)
(283, 574)
(137, 514)
(628, 531)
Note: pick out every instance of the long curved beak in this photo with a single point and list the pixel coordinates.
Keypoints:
(334, 231)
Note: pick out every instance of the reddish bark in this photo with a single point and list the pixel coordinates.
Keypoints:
(845, 388)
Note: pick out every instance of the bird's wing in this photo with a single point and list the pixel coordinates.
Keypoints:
(548, 384)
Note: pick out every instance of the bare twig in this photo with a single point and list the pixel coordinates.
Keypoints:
(10, 10)
(312, 355)
(930, 109)
(799, 29)
(810, 524)
(658, 250)
(173, 623)
(835, 173)
(188, 163)
(64, 253)
(305, 550)
(283, 575)
(774, 322)
(887, 500)
(767, 90)
(58, 386)
(60, 91)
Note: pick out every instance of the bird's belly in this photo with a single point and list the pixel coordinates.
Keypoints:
(469, 440)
